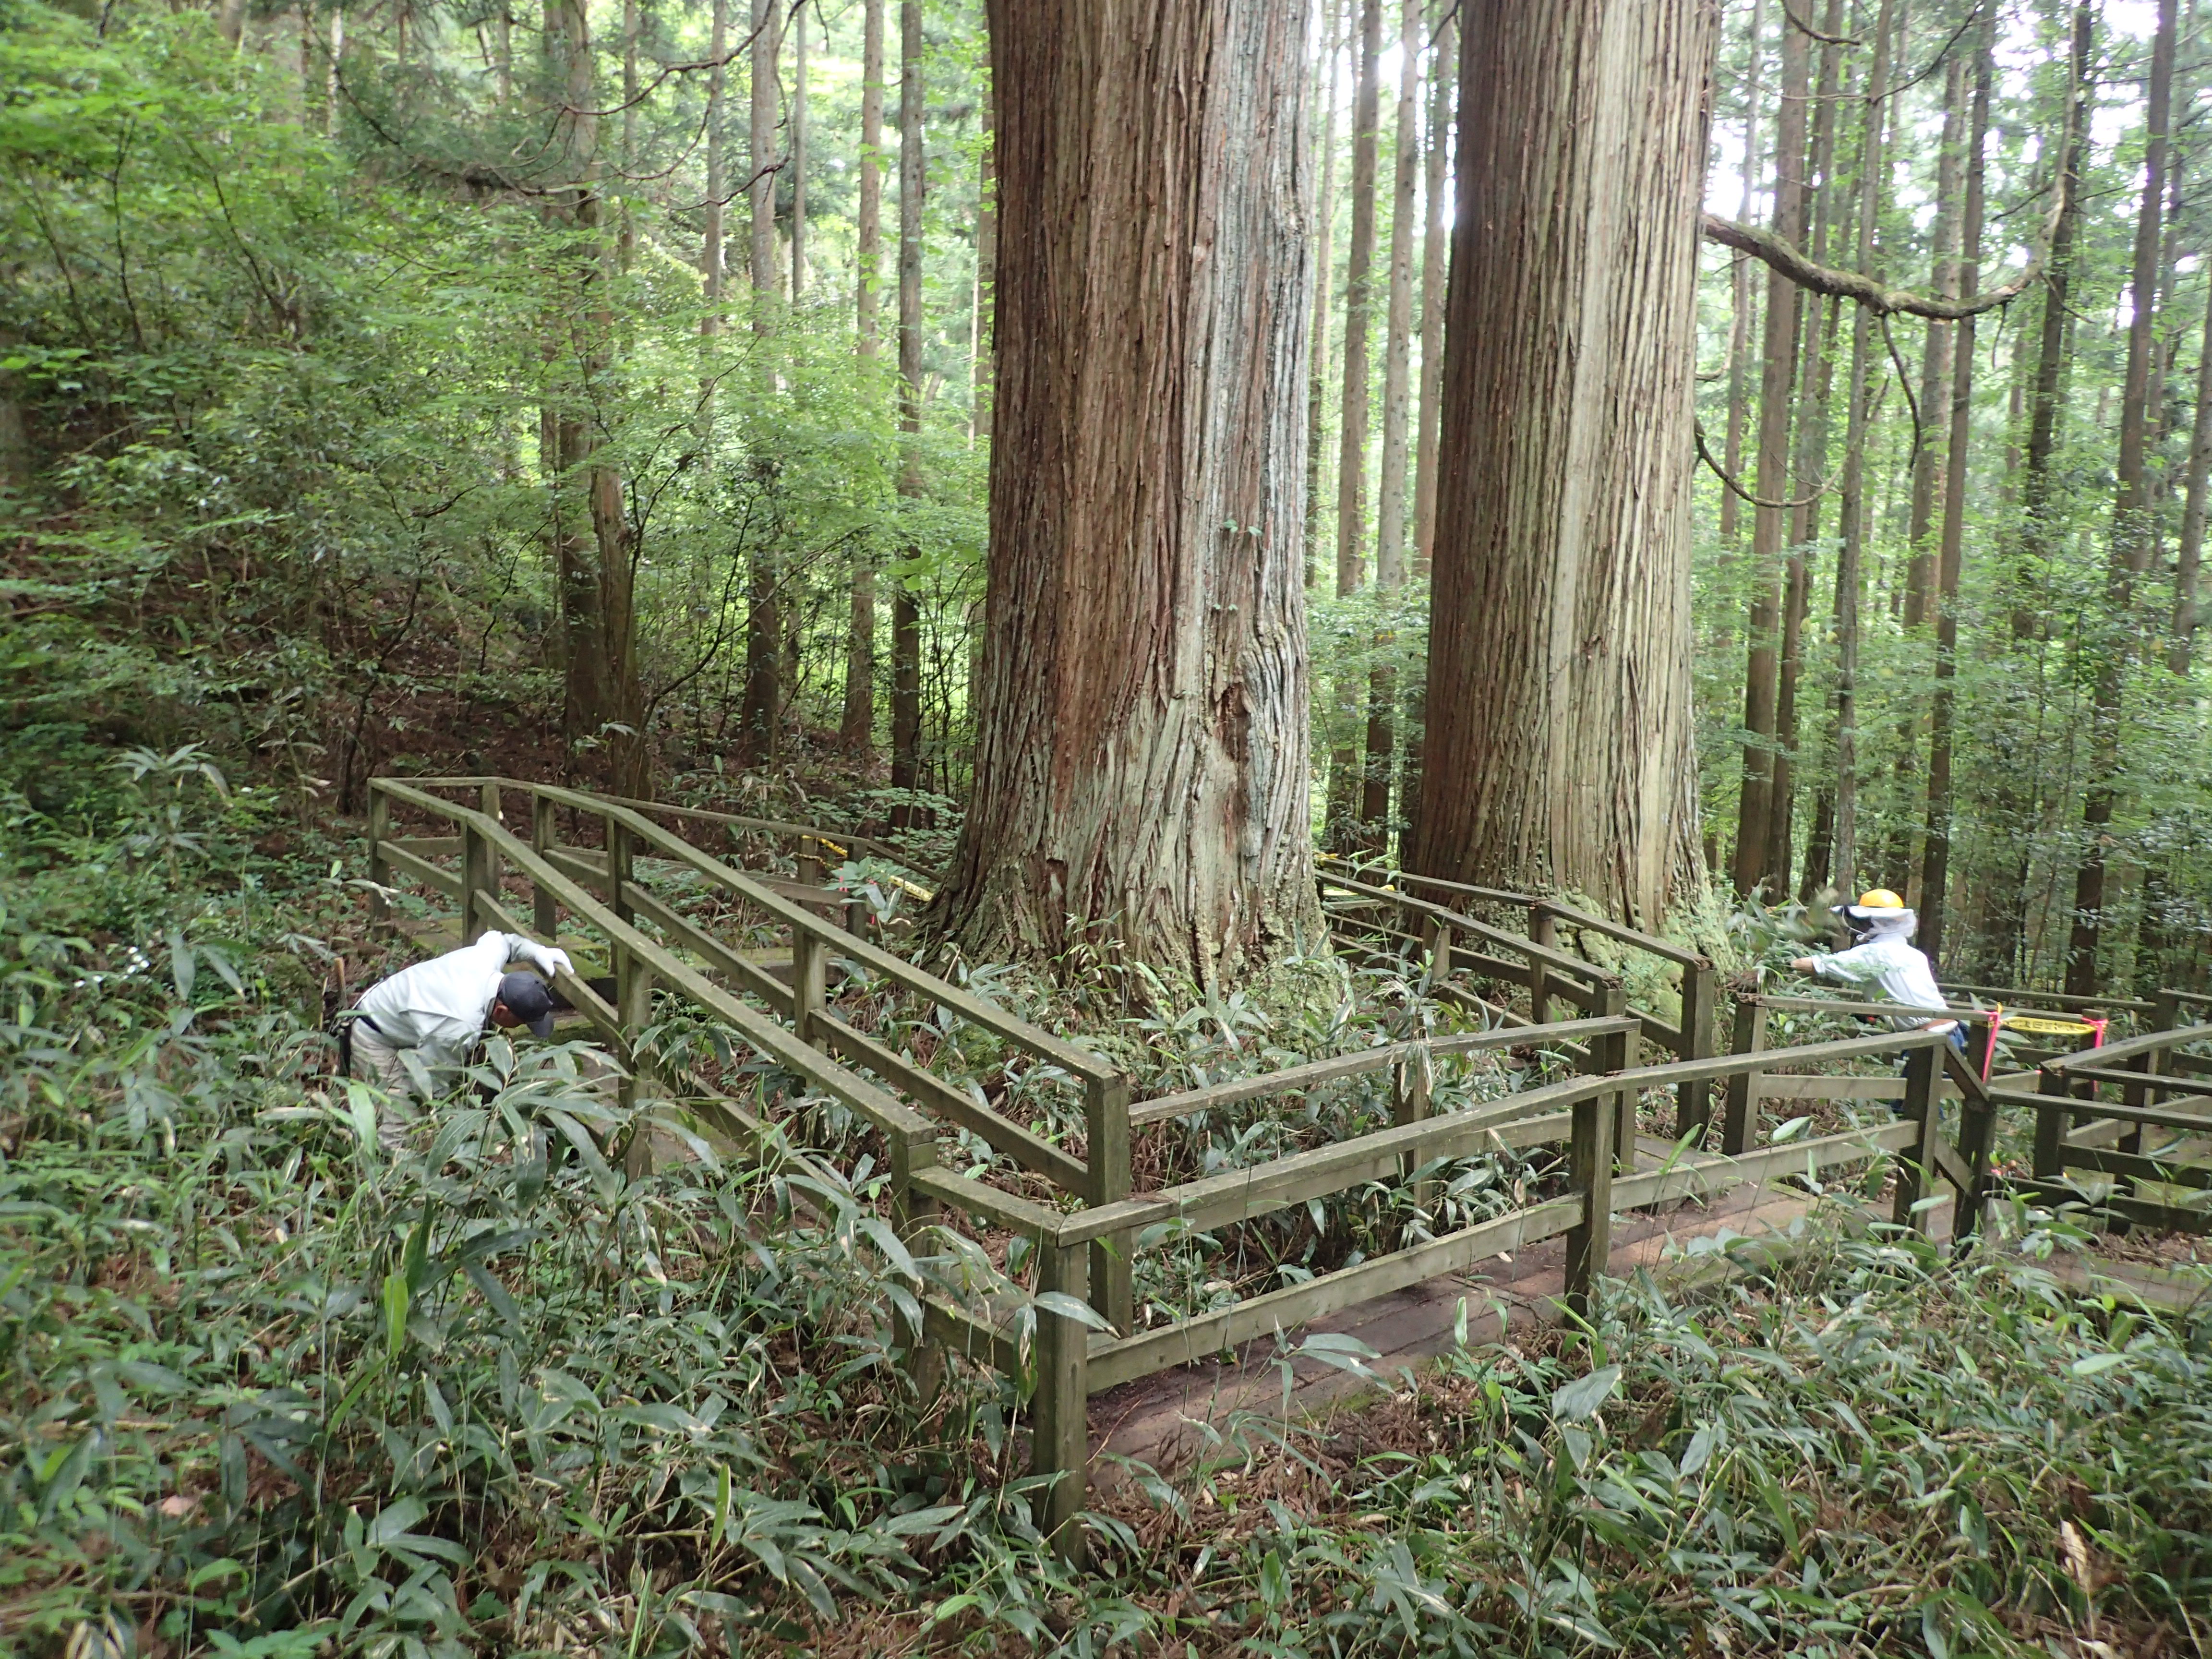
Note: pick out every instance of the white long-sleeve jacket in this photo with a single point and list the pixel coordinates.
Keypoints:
(439, 1007)
(1888, 960)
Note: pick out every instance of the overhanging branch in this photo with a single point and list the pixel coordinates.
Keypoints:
(1875, 296)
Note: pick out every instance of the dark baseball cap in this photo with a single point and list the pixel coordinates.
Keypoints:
(530, 999)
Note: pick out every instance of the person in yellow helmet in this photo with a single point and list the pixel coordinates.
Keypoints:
(1882, 955)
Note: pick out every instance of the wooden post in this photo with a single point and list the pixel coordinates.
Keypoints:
(478, 872)
(1694, 1101)
(1106, 1124)
(1740, 1127)
(379, 873)
(1059, 1443)
(545, 831)
(913, 1213)
(810, 862)
(618, 868)
(1410, 1083)
(493, 876)
(2138, 1095)
(1589, 1172)
(1617, 1053)
(2166, 1011)
(810, 965)
(1543, 929)
(1439, 937)
(1919, 1107)
(1978, 1134)
(2050, 1126)
(633, 1007)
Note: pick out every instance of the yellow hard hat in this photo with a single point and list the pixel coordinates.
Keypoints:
(1879, 898)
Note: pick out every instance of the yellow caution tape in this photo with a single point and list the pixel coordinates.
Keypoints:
(2047, 1027)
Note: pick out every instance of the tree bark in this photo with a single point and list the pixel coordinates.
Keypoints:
(1853, 510)
(1935, 857)
(602, 704)
(1344, 768)
(2132, 540)
(1928, 471)
(2014, 808)
(1324, 270)
(1436, 248)
(1397, 411)
(767, 16)
(868, 229)
(1740, 297)
(1817, 352)
(1140, 774)
(987, 265)
(856, 729)
(905, 610)
(797, 150)
(2189, 559)
(760, 715)
(1769, 524)
(1559, 749)
(712, 252)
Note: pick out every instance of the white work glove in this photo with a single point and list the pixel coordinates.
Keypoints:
(554, 960)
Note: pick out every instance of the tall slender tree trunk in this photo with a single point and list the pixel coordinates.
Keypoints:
(798, 136)
(905, 610)
(1436, 257)
(1853, 508)
(1740, 301)
(1141, 773)
(1436, 251)
(1929, 469)
(1397, 412)
(856, 730)
(763, 158)
(1818, 337)
(1778, 379)
(760, 716)
(1560, 747)
(713, 250)
(1324, 269)
(1929, 473)
(2133, 539)
(2013, 806)
(602, 706)
(986, 265)
(2189, 559)
(1344, 768)
(1935, 857)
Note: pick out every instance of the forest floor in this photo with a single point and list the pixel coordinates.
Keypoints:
(267, 1389)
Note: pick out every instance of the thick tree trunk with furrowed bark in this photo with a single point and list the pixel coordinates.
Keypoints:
(1560, 747)
(1140, 769)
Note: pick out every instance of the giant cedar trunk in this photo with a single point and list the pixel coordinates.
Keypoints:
(1141, 768)
(1559, 728)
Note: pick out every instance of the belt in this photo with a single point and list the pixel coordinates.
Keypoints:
(363, 1019)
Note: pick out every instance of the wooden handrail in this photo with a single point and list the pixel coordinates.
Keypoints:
(1560, 961)
(1233, 1090)
(2150, 1043)
(1042, 1044)
(763, 1034)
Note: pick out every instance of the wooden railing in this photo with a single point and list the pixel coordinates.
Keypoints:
(1457, 943)
(1087, 1252)
(1072, 1364)
(600, 888)
(2079, 1127)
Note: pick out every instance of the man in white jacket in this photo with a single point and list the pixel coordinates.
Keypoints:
(1882, 954)
(440, 1008)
